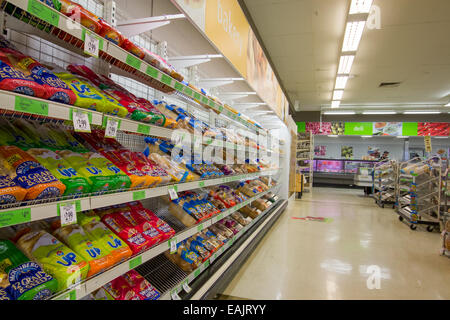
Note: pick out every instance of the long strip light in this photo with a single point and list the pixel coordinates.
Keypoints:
(360, 6)
(353, 34)
(421, 112)
(447, 105)
(330, 113)
(356, 22)
(335, 104)
(341, 82)
(379, 112)
(337, 94)
(345, 64)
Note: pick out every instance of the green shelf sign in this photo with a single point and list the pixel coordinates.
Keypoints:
(23, 104)
(138, 195)
(166, 79)
(178, 86)
(144, 129)
(197, 95)
(133, 61)
(152, 72)
(13, 217)
(135, 262)
(188, 91)
(43, 12)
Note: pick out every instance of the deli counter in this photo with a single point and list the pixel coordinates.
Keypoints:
(343, 171)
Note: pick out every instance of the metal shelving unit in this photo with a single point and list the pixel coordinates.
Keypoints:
(384, 182)
(304, 157)
(82, 289)
(418, 198)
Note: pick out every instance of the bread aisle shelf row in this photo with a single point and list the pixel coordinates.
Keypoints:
(193, 275)
(23, 214)
(74, 33)
(14, 102)
(82, 289)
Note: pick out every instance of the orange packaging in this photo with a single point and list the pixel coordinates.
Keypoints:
(10, 192)
(132, 48)
(110, 33)
(29, 174)
(81, 15)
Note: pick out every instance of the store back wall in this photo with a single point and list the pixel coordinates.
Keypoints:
(395, 146)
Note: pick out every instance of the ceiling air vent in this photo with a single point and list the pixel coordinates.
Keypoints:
(389, 84)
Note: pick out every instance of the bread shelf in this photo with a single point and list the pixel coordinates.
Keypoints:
(178, 288)
(84, 288)
(55, 27)
(38, 211)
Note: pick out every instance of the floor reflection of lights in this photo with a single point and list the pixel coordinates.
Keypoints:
(334, 265)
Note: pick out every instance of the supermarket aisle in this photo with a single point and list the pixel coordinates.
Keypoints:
(328, 260)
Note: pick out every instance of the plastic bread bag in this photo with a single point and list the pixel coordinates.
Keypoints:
(141, 286)
(120, 290)
(169, 121)
(162, 107)
(249, 211)
(198, 247)
(90, 97)
(110, 33)
(90, 250)
(10, 191)
(15, 135)
(55, 89)
(218, 238)
(75, 183)
(158, 174)
(261, 204)
(143, 226)
(55, 258)
(161, 64)
(187, 260)
(118, 248)
(22, 279)
(102, 294)
(28, 173)
(176, 173)
(178, 212)
(125, 231)
(219, 228)
(163, 227)
(131, 47)
(120, 179)
(13, 78)
(79, 14)
(210, 243)
(98, 181)
(240, 218)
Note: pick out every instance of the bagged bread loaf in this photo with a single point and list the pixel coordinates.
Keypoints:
(28, 173)
(90, 250)
(56, 258)
(22, 279)
(95, 229)
(141, 286)
(187, 260)
(79, 14)
(10, 191)
(75, 183)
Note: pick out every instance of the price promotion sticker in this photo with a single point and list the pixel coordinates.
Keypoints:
(186, 287)
(112, 126)
(68, 213)
(173, 192)
(81, 121)
(91, 44)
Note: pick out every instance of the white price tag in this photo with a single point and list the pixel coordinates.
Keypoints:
(173, 245)
(68, 214)
(173, 194)
(81, 121)
(270, 181)
(91, 44)
(175, 296)
(186, 287)
(112, 125)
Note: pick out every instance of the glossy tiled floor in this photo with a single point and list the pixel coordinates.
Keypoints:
(329, 260)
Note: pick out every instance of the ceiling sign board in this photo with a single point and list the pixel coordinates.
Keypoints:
(223, 22)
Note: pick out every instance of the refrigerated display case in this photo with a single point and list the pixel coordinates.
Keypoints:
(343, 171)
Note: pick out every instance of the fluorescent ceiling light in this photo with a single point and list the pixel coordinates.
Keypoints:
(353, 34)
(379, 112)
(366, 136)
(447, 105)
(345, 64)
(421, 112)
(335, 104)
(402, 137)
(360, 6)
(337, 94)
(338, 112)
(333, 135)
(441, 137)
(341, 82)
